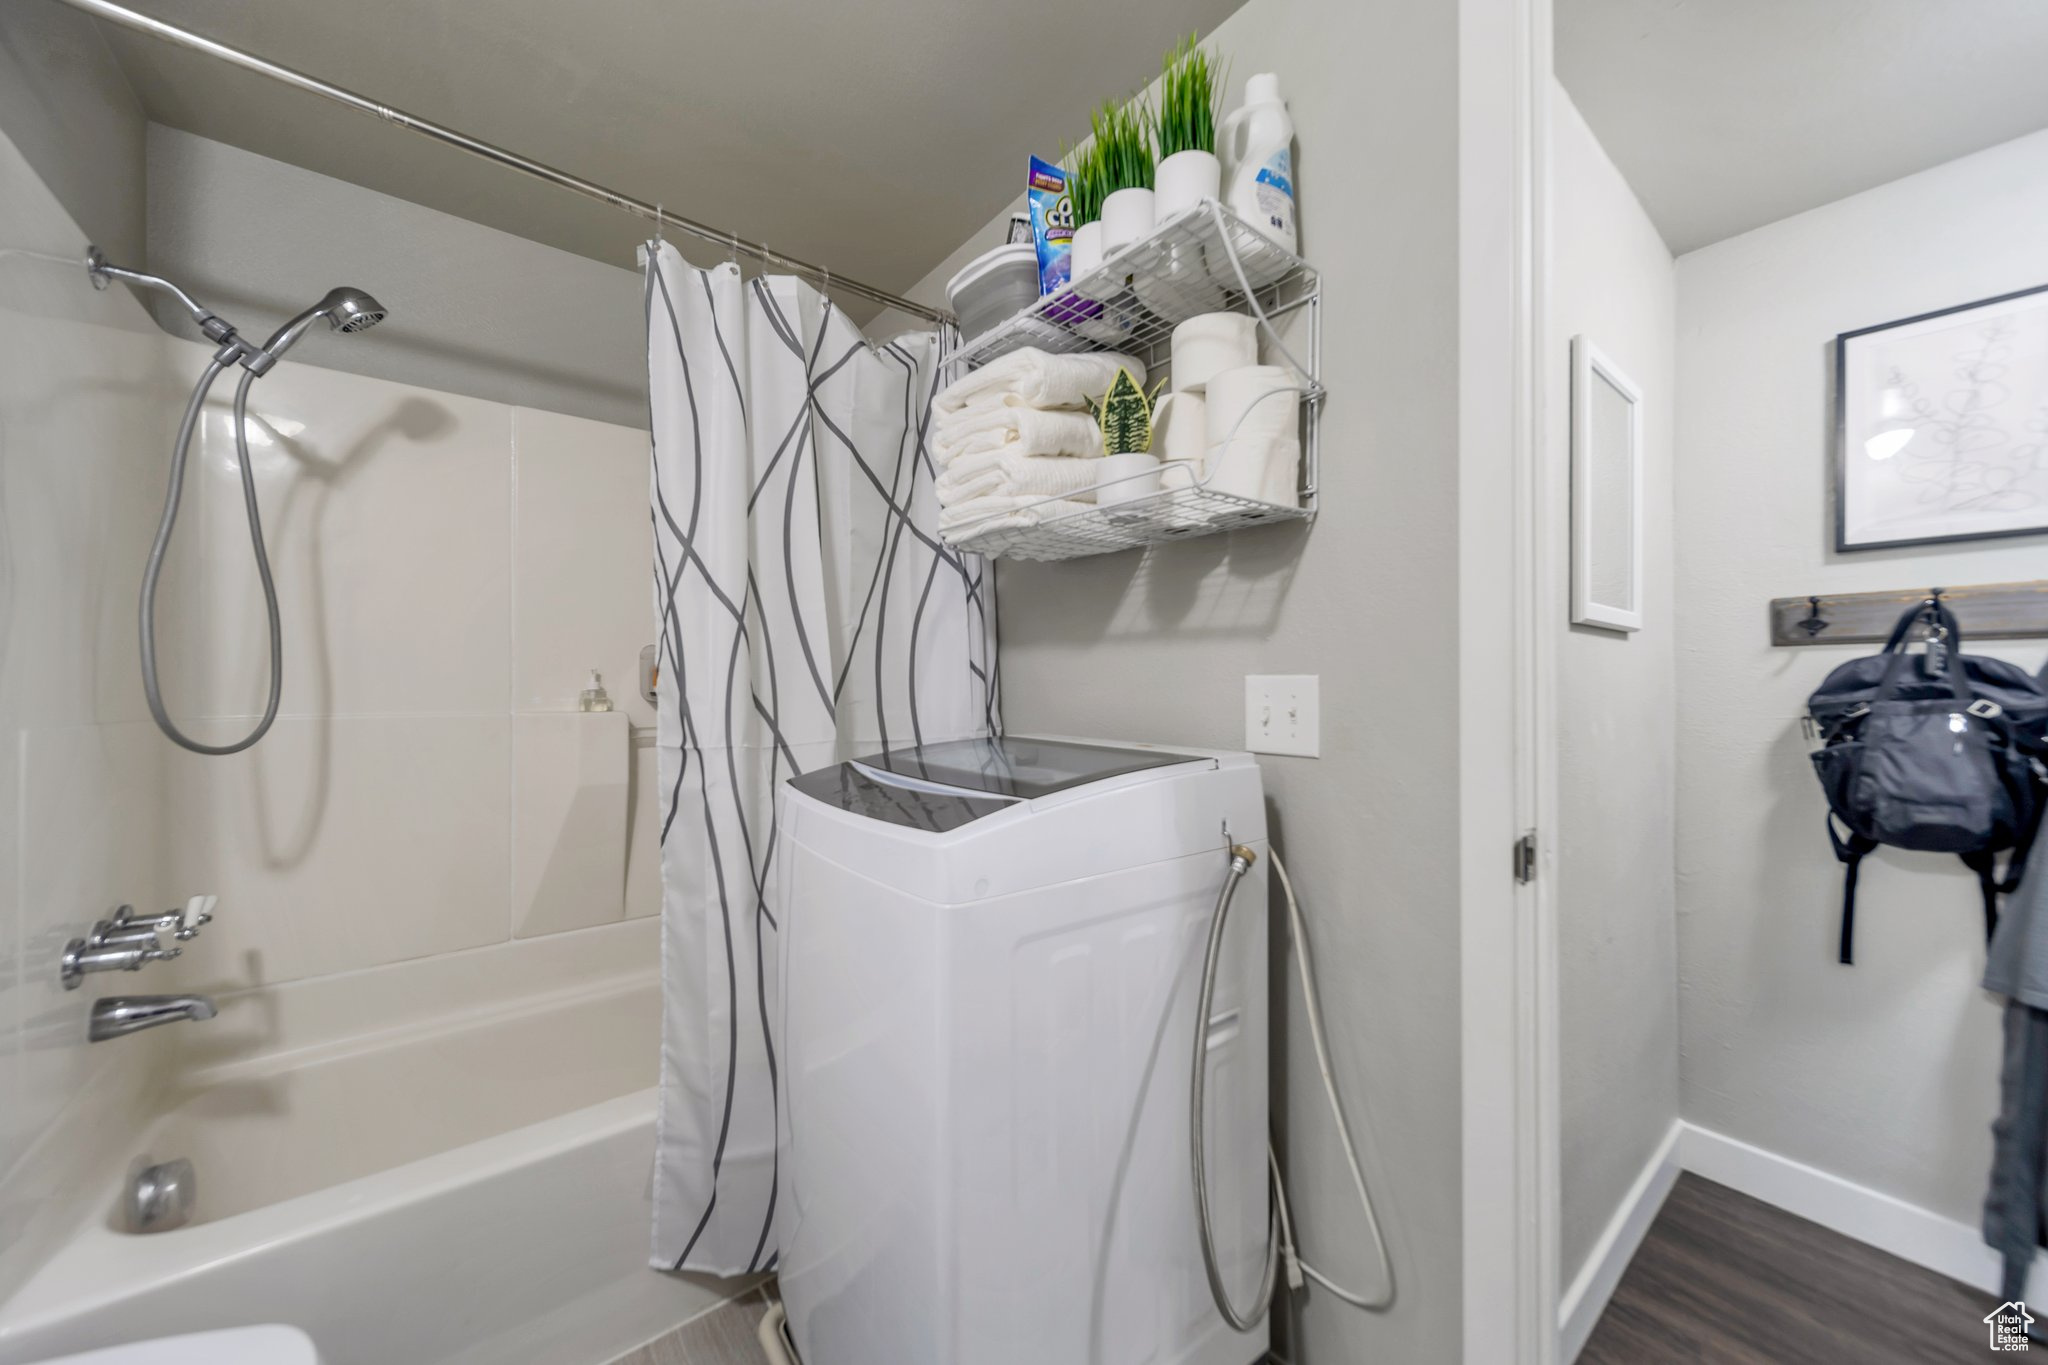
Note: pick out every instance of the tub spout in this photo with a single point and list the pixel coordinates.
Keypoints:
(116, 1015)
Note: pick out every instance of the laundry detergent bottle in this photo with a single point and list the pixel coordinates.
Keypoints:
(1256, 148)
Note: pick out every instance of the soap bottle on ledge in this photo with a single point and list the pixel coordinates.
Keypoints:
(594, 697)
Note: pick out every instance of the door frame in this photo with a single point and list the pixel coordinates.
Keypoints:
(1509, 586)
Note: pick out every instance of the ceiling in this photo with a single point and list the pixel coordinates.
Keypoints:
(1725, 115)
(869, 138)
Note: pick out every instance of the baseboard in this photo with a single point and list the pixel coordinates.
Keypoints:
(1586, 1299)
(1944, 1245)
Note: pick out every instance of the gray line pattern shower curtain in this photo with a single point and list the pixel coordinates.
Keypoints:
(807, 612)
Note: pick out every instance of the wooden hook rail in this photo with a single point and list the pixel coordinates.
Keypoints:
(1988, 611)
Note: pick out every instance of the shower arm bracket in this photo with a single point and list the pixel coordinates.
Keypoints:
(217, 329)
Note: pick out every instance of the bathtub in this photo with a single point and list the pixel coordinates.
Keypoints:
(465, 1190)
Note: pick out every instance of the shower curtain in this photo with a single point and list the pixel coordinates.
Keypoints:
(807, 613)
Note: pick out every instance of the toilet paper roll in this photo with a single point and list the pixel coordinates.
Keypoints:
(1283, 473)
(1210, 343)
(1262, 468)
(1253, 402)
(1180, 428)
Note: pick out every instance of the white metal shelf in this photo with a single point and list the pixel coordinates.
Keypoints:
(1176, 514)
(1204, 260)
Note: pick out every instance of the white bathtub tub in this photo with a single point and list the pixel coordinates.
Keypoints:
(468, 1189)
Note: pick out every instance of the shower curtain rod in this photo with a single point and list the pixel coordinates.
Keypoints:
(477, 147)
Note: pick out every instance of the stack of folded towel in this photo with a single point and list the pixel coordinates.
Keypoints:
(1014, 441)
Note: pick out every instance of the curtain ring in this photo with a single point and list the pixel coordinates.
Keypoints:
(658, 241)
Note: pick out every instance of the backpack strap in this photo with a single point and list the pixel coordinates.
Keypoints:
(1899, 661)
(1982, 863)
(1850, 852)
(2030, 829)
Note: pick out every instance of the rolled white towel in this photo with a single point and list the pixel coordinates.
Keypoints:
(1018, 474)
(1033, 378)
(1028, 431)
(1001, 513)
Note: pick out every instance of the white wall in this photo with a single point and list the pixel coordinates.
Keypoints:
(449, 571)
(1156, 646)
(1885, 1073)
(1612, 281)
(474, 310)
(84, 385)
(66, 106)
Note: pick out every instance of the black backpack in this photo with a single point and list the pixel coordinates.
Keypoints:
(1935, 751)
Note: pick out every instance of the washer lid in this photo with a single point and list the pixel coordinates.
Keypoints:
(940, 787)
(1016, 769)
(925, 806)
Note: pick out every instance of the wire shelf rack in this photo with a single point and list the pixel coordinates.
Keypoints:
(1203, 260)
(1176, 514)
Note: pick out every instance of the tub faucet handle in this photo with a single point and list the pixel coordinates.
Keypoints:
(184, 924)
(83, 956)
(198, 912)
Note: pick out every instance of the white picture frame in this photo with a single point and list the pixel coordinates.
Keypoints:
(1607, 492)
(1941, 426)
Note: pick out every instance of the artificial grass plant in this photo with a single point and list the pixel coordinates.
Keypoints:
(1123, 140)
(1087, 182)
(1190, 88)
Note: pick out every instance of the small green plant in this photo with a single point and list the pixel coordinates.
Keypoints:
(1123, 139)
(1087, 181)
(1190, 88)
(1125, 416)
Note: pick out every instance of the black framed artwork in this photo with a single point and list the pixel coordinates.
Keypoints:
(1941, 425)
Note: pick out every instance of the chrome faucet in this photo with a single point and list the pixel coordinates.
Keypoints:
(128, 942)
(114, 1016)
(184, 924)
(83, 955)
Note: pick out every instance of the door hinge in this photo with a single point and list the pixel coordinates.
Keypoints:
(1525, 858)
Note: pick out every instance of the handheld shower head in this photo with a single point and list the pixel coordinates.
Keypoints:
(346, 310)
(350, 310)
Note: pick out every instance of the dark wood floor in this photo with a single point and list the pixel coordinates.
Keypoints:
(1723, 1278)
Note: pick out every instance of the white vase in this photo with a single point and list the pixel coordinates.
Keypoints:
(1127, 216)
(1184, 180)
(1086, 257)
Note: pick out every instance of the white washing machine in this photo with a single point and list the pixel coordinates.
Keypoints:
(990, 956)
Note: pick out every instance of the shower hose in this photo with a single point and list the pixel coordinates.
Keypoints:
(150, 686)
(1280, 1244)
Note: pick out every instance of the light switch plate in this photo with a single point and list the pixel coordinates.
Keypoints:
(1283, 714)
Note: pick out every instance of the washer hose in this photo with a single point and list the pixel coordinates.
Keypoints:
(1241, 859)
(1280, 1229)
(147, 615)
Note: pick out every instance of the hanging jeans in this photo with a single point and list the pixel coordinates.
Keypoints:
(2016, 1205)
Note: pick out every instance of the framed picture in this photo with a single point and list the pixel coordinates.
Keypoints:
(1941, 425)
(1607, 492)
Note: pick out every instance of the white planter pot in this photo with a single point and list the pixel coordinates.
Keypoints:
(1126, 478)
(1127, 216)
(1086, 257)
(1184, 180)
